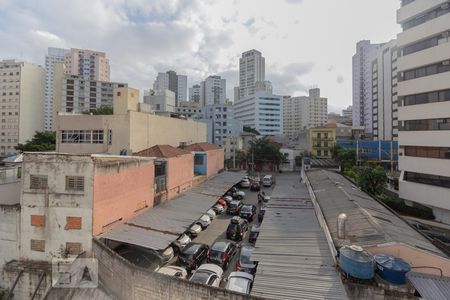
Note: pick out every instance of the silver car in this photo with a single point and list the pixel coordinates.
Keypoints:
(204, 221)
(174, 271)
(208, 274)
(245, 264)
(194, 230)
(181, 242)
(240, 282)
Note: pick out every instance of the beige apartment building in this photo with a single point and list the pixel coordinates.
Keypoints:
(128, 130)
(22, 96)
(87, 63)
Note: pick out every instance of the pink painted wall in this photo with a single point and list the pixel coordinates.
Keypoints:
(415, 257)
(180, 174)
(121, 192)
(215, 162)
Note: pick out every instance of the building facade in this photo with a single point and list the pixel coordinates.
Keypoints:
(214, 91)
(251, 70)
(304, 112)
(161, 100)
(384, 93)
(54, 56)
(222, 122)
(321, 141)
(161, 82)
(424, 104)
(86, 63)
(262, 111)
(173, 82)
(22, 99)
(190, 109)
(362, 83)
(195, 93)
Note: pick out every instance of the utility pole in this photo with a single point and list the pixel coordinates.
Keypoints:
(234, 153)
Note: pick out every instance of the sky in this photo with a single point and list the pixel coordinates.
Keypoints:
(306, 43)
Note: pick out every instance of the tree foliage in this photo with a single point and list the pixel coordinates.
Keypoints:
(251, 130)
(42, 141)
(371, 180)
(103, 110)
(346, 158)
(265, 150)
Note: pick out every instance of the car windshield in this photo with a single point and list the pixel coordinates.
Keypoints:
(200, 276)
(246, 209)
(234, 204)
(219, 246)
(239, 284)
(215, 254)
(245, 256)
(190, 250)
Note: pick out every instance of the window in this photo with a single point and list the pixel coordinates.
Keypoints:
(198, 159)
(37, 245)
(442, 181)
(429, 124)
(73, 248)
(430, 97)
(38, 182)
(73, 223)
(74, 183)
(37, 220)
(428, 152)
(441, 67)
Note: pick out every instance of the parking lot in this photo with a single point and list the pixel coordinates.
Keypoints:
(217, 230)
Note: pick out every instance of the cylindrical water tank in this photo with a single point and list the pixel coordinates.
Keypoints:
(356, 262)
(392, 269)
(341, 221)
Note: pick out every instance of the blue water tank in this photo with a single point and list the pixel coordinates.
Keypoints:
(356, 262)
(392, 269)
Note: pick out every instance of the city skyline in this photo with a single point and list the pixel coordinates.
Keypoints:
(201, 39)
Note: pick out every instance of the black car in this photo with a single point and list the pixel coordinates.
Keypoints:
(262, 212)
(141, 257)
(254, 232)
(237, 228)
(234, 207)
(255, 186)
(193, 256)
(221, 253)
(247, 212)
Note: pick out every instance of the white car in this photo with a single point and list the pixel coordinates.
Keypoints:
(204, 221)
(211, 213)
(167, 254)
(195, 230)
(219, 209)
(245, 183)
(181, 242)
(174, 271)
(266, 199)
(239, 282)
(208, 274)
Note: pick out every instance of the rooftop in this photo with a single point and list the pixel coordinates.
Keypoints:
(165, 151)
(369, 223)
(294, 258)
(201, 147)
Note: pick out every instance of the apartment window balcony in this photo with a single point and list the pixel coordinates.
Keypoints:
(437, 12)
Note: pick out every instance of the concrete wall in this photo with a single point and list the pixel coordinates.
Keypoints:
(56, 204)
(129, 282)
(180, 171)
(9, 234)
(10, 192)
(215, 162)
(121, 190)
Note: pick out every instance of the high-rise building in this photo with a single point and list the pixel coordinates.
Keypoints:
(214, 90)
(251, 70)
(424, 104)
(222, 122)
(384, 93)
(362, 83)
(195, 93)
(181, 93)
(86, 63)
(173, 82)
(54, 55)
(161, 82)
(22, 98)
(347, 113)
(304, 112)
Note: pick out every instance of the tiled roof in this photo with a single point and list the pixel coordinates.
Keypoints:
(201, 147)
(165, 151)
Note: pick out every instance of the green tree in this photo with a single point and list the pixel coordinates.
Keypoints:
(372, 180)
(103, 110)
(265, 150)
(346, 158)
(251, 130)
(41, 141)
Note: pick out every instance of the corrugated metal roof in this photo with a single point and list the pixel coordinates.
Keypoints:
(162, 224)
(368, 222)
(431, 287)
(294, 260)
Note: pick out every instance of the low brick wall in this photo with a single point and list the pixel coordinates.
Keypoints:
(127, 281)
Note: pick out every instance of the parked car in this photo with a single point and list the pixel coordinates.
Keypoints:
(262, 212)
(266, 199)
(254, 232)
(141, 257)
(194, 230)
(167, 254)
(239, 282)
(245, 183)
(239, 195)
(255, 186)
(234, 207)
(204, 221)
(181, 242)
(174, 271)
(208, 274)
(193, 256)
(211, 213)
(226, 200)
(221, 253)
(218, 209)
(247, 211)
(268, 180)
(245, 264)
(237, 228)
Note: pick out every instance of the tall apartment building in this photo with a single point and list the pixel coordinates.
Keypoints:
(304, 112)
(215, 90)
(195, 93)
(347, 113)
(161, 82)
(384, 93)
(362, 83)
(22, 98)
(424, 104)
(79, 94)
(54, 56)
(262, 111)
(173, 82)
(251, 70)
(223, 123)
(181, 93)
(86, 63)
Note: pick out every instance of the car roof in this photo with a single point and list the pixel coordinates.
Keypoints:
(171, 270)
(248, 205)
(247, 250)
(220, 245)
(235, 202)
(192, 247)
(255, 228)
(211, 267)
(241, 274)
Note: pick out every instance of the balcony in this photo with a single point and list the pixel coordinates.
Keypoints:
(324, 139)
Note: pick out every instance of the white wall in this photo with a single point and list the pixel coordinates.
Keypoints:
(9, 233)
